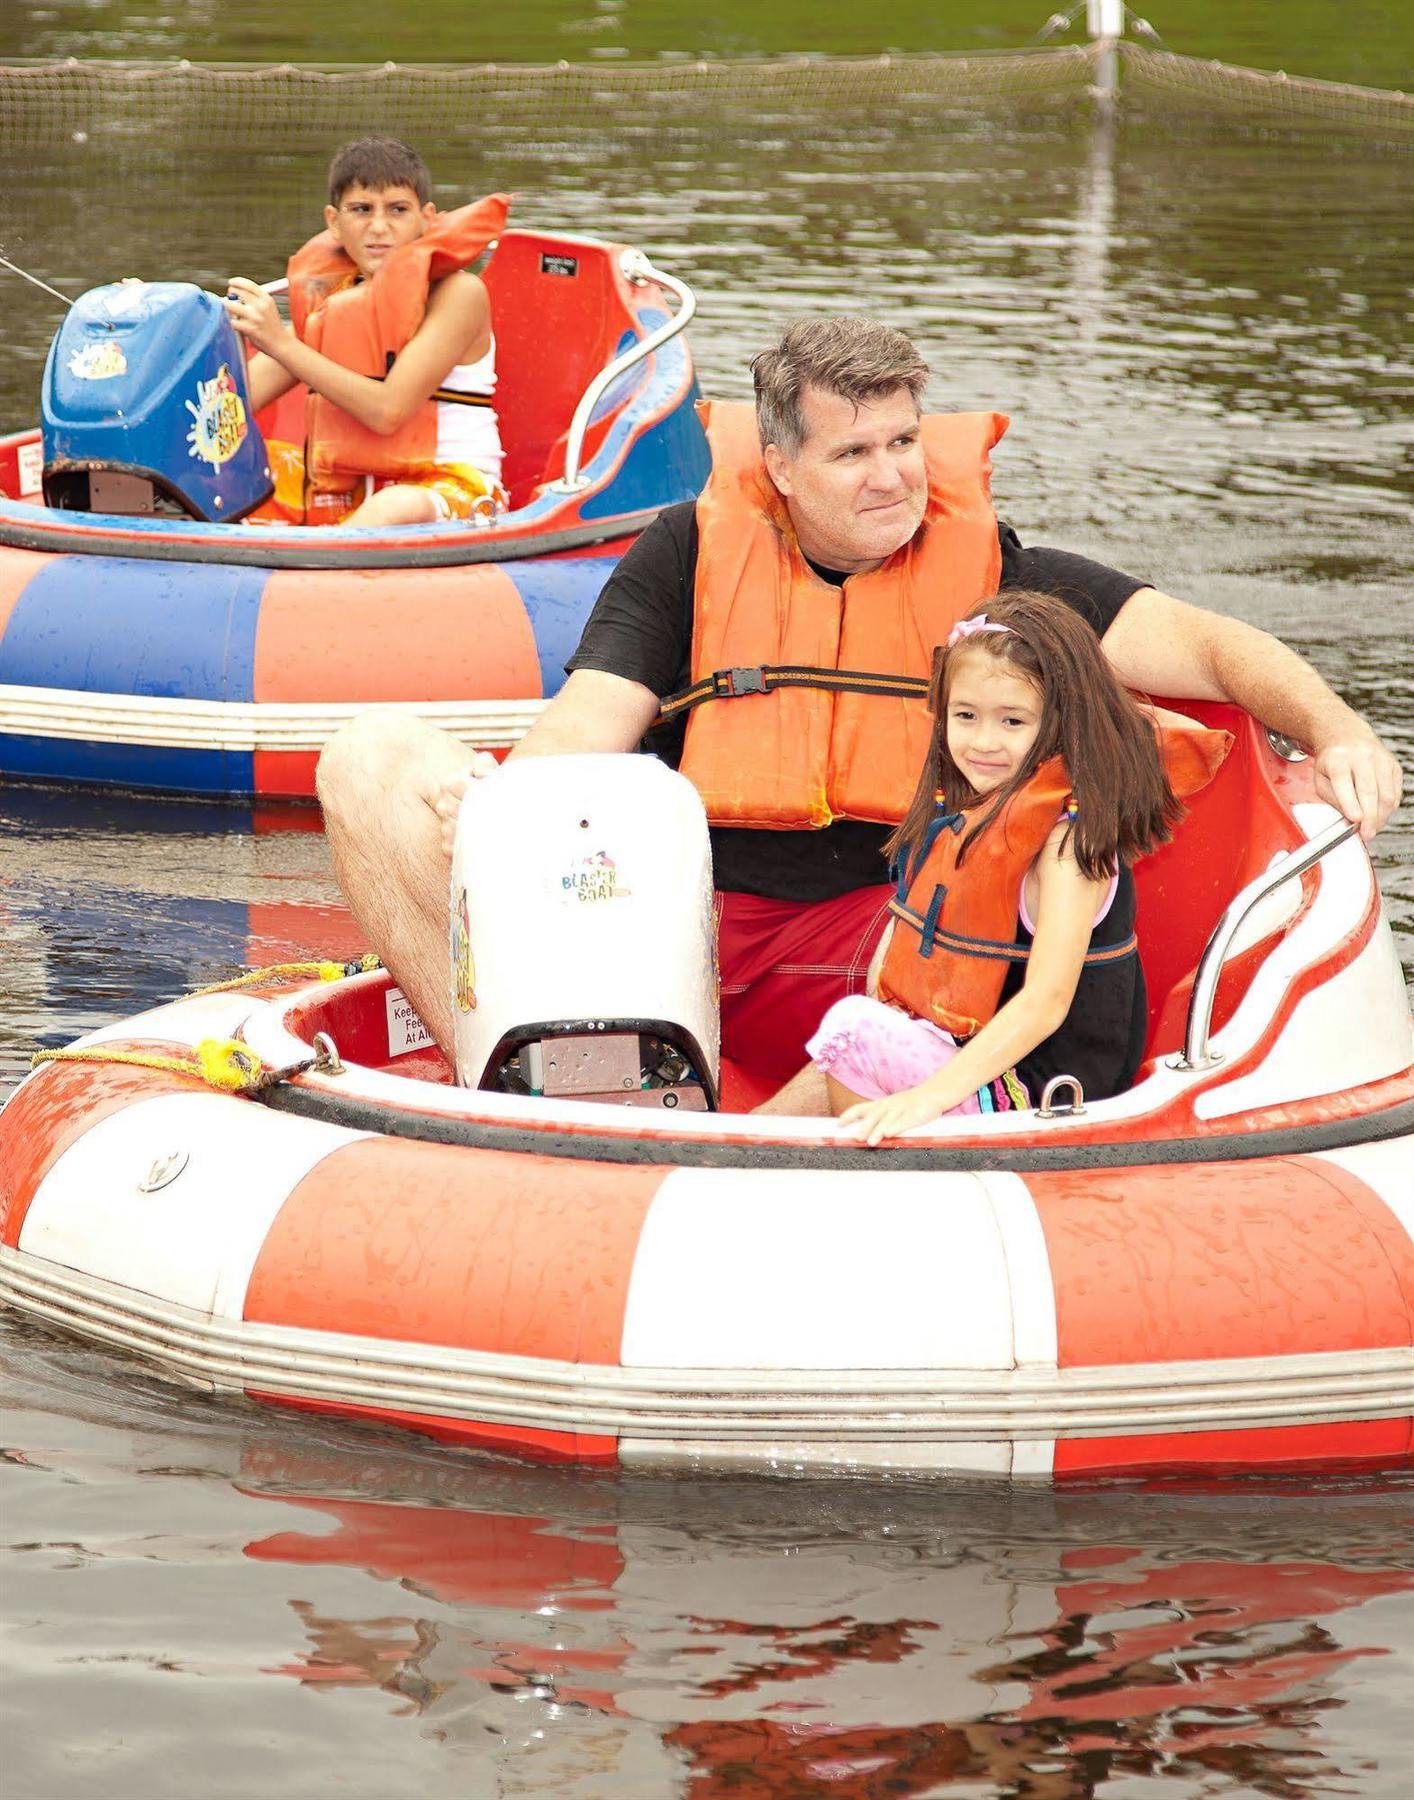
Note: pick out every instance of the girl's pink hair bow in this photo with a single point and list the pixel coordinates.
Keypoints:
(966, 628)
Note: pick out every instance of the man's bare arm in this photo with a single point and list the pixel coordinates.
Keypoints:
(592, 711)
(1160, 645)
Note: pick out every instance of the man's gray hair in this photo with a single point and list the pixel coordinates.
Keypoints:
(858, 359)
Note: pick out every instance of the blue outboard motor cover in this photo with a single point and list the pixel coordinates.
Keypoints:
(148, 379)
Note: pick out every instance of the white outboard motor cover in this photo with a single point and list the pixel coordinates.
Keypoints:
(582, 921)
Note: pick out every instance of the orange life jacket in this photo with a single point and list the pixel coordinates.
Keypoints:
(363, 325)
(954, 934)
(835, 722)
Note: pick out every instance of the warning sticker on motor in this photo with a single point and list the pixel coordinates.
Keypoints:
(405, 1030)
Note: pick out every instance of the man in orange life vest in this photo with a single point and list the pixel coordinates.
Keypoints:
(392, 337)
(849, 535)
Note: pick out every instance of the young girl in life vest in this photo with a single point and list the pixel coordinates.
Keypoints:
(1011, 954)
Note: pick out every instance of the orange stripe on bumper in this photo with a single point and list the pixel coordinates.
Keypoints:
(16, 569)
(505, 1253)
(1219, 1260)
(394, 634)
(1372, 1443)
(502, 1252)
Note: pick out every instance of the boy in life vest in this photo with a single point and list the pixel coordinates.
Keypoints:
(1011, 954)
(392, 337)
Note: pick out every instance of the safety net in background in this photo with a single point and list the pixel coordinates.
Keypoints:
(247, 104)
(1264, 100)
(542, 103)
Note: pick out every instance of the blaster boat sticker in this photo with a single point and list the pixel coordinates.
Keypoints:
(218, 419)
(594, 877)
(98, 361)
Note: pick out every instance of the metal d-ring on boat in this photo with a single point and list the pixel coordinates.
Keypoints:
(1051, 1108)
(636, 268)
(1196, 1053)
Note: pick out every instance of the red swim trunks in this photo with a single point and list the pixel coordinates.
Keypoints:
(784, 963)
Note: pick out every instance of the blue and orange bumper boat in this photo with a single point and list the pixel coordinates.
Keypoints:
(164, 652)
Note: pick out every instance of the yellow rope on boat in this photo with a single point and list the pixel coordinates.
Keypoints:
(221, 1063)
(324, 971)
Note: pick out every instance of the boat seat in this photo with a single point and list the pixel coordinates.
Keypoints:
(562, 311)
(1228, 836)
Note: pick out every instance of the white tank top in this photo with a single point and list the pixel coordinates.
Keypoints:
(471, 434)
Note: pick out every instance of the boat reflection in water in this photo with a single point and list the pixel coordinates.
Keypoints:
(702, 1638)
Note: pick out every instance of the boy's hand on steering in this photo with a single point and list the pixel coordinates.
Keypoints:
(445, 797)
(253, 313)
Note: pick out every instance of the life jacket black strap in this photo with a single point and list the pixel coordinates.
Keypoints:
(907, 864)
(930, 934)
(731, 684)
(452, 396)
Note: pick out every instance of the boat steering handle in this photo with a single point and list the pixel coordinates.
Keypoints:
(636, 268)
(1197, 1053)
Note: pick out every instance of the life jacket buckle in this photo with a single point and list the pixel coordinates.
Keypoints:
(732, 682)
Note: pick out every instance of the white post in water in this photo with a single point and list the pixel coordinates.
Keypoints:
(1104, 20)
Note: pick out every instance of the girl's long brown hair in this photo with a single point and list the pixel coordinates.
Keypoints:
(1124, 804)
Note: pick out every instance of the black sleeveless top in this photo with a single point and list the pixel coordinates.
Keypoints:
(1101, 1041)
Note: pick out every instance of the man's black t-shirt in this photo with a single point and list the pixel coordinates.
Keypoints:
(641, 629)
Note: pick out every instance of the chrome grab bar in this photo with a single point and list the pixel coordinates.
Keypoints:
(635, 267)
(1196, 1053)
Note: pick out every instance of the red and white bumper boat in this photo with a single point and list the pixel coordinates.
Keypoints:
(1214, 1270)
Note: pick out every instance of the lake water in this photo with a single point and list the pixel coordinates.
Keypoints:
(1202, 336)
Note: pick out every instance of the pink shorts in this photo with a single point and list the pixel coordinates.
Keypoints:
(873, 1049)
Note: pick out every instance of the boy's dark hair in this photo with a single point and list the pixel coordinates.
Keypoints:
(1124, 804)
(378, 163)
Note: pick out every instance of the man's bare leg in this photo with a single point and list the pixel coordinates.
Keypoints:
(804, 1094)
(378, 781)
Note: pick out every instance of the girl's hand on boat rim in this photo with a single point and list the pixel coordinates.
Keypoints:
(446, 798)
(874, 1120)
